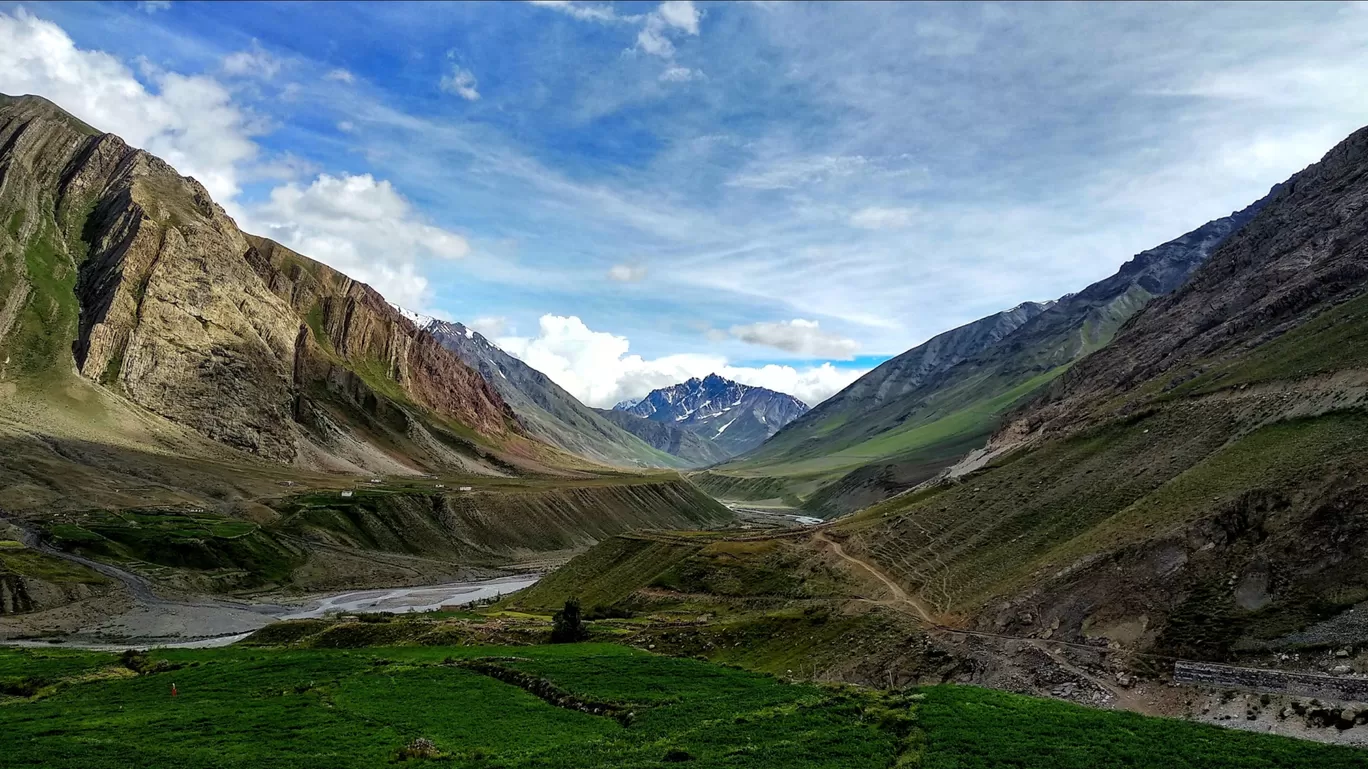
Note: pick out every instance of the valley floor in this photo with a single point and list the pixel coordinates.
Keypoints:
(578, 705)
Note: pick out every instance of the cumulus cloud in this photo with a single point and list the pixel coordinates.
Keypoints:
(598, 368)
(674, 15)
(253, 62)
(811, 385)
(191, 122)
(680, 14)
(340, 75)
(627, 273)
(461, 82)
(875, 218)
(803, 337)
(361, 226)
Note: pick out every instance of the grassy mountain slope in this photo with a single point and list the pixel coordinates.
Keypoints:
(547, 410)
(1196, 485)
(917, 414)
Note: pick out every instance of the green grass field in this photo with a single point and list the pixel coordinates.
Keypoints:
(535, 707)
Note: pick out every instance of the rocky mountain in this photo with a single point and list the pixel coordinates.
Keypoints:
(1196, 487)
(125, 287)
(544, 408)
(694, 449)
(734, 416)
(917, 414)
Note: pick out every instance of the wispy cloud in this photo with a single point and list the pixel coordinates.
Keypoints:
(627, 273)
(799, 336)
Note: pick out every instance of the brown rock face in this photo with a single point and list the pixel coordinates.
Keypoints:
(234, 336)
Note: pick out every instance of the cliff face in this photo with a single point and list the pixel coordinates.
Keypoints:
(120, 270)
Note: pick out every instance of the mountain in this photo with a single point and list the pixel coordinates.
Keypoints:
(918, 413)
(1196, 487)
(122, 274)
(204, 400)
(547, 411)
(734, 416)
(692, 448)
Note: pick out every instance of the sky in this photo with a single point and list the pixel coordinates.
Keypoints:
(628, 194)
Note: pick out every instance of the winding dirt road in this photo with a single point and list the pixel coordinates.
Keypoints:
(902, 598)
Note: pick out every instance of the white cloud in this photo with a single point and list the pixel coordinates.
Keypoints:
(681, 75)
(811, 385)
(153, 6)
(627, 273)
(672, 16)
(680, 14)
(597, 368)
(253, 62)
(581, 11)
(361, 226)
(803, 337)
(491, 326)
(340, 75)
(346, 126)
(875, 218)
(461, 82)
(651, 39)
(191, 122)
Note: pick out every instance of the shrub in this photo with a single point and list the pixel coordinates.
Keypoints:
(567, 626)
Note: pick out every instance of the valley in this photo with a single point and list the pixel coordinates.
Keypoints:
(369, 505)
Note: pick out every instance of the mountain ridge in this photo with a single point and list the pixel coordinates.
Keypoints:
(735, 416)
(543, 407)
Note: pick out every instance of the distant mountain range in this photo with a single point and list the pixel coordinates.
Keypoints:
(732, 416)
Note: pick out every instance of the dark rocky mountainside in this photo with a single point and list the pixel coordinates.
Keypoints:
(918, 413)
(733, 416)
(545, 409)
(693, 449)
(119, 273)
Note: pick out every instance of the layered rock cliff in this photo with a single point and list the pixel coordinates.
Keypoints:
(121, 271)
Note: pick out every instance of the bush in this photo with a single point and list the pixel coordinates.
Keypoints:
(567, 626)
(23, 687)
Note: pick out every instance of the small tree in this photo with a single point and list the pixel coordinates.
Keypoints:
(568, 625)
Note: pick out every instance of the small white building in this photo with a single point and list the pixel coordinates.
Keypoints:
(348, 493)
(465, 488)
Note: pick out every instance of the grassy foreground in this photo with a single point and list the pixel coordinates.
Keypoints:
(584, 705)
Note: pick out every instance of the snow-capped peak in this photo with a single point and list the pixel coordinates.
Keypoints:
(419, 320)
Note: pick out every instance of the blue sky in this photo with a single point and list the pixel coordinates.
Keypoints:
(625, 194)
